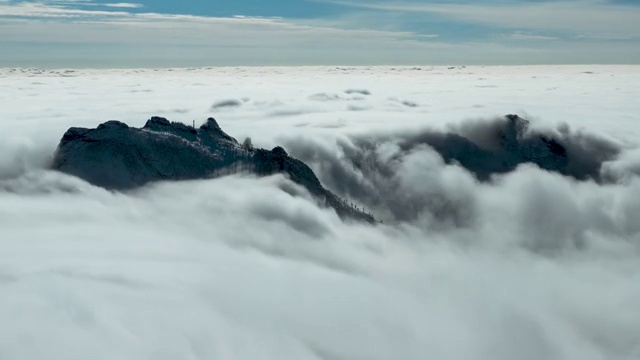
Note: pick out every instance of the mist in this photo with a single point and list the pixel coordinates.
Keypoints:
(525, 263)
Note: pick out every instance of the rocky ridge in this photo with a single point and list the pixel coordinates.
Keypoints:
(118, 157)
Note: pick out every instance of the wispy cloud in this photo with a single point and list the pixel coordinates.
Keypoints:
(528, 36)
(42, 10)
(377, 33)
(240, 39)
(578, 16)
(201, 26)
(124, 5)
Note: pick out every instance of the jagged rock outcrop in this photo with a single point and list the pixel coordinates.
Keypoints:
(500, 146)
(118, 157)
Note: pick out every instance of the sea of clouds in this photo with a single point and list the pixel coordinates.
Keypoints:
(525, 265)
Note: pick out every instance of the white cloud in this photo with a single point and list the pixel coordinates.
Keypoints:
(190, 39)
(216, 269)
(251, 38)
(578, 16)
(124, 5)
(528, 36)
(41, 10)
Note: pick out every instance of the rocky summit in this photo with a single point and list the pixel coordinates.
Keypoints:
(500, 146)
(118, 157)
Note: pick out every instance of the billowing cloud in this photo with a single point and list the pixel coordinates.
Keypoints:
(530, 265)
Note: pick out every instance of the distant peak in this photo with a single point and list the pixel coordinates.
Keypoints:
(516, 127)
(113, 124)
(279, 151)
(212, 128)
(211, 123)
(157, 121)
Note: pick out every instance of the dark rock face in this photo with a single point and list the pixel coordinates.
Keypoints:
(118, 157)
(499, 147)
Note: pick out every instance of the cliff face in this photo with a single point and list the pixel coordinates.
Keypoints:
(118, 157)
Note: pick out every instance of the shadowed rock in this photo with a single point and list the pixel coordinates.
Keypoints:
(377, 169)
(500, 146)
(118, 157)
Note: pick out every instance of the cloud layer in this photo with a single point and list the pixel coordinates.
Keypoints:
(531, 265)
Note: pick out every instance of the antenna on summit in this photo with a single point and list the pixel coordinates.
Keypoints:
(194, 124)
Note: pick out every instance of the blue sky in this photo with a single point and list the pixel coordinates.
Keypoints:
(159, 33)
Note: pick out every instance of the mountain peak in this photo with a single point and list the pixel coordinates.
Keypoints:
(116, 156)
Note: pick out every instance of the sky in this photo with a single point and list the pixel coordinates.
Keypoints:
(169, 33)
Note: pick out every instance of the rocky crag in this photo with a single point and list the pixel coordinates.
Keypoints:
(118, 157)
